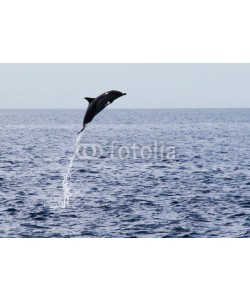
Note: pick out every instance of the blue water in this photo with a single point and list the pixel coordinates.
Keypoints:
(201, 190)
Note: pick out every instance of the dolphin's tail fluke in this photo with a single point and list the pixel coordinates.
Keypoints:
(84, 126)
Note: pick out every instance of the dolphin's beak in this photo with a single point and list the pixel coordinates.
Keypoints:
(124, 94)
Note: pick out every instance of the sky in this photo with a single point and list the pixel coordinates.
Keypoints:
(147, 85)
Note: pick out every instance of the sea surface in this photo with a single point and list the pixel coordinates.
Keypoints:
(173, 173)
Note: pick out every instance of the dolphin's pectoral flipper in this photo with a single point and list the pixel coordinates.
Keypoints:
(101, 105)
(89, 99)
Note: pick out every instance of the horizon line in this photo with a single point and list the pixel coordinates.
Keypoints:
(145, 108)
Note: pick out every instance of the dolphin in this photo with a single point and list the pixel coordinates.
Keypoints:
(98, 104)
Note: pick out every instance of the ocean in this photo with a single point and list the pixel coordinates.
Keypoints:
(167, 173)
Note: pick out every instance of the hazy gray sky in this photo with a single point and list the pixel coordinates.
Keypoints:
(146, 85)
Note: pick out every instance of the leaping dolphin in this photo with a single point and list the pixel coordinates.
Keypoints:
(98, 104)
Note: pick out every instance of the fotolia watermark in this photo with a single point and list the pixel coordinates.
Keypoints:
(155, 151)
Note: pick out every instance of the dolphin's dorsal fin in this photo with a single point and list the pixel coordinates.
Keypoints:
(89, 99)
